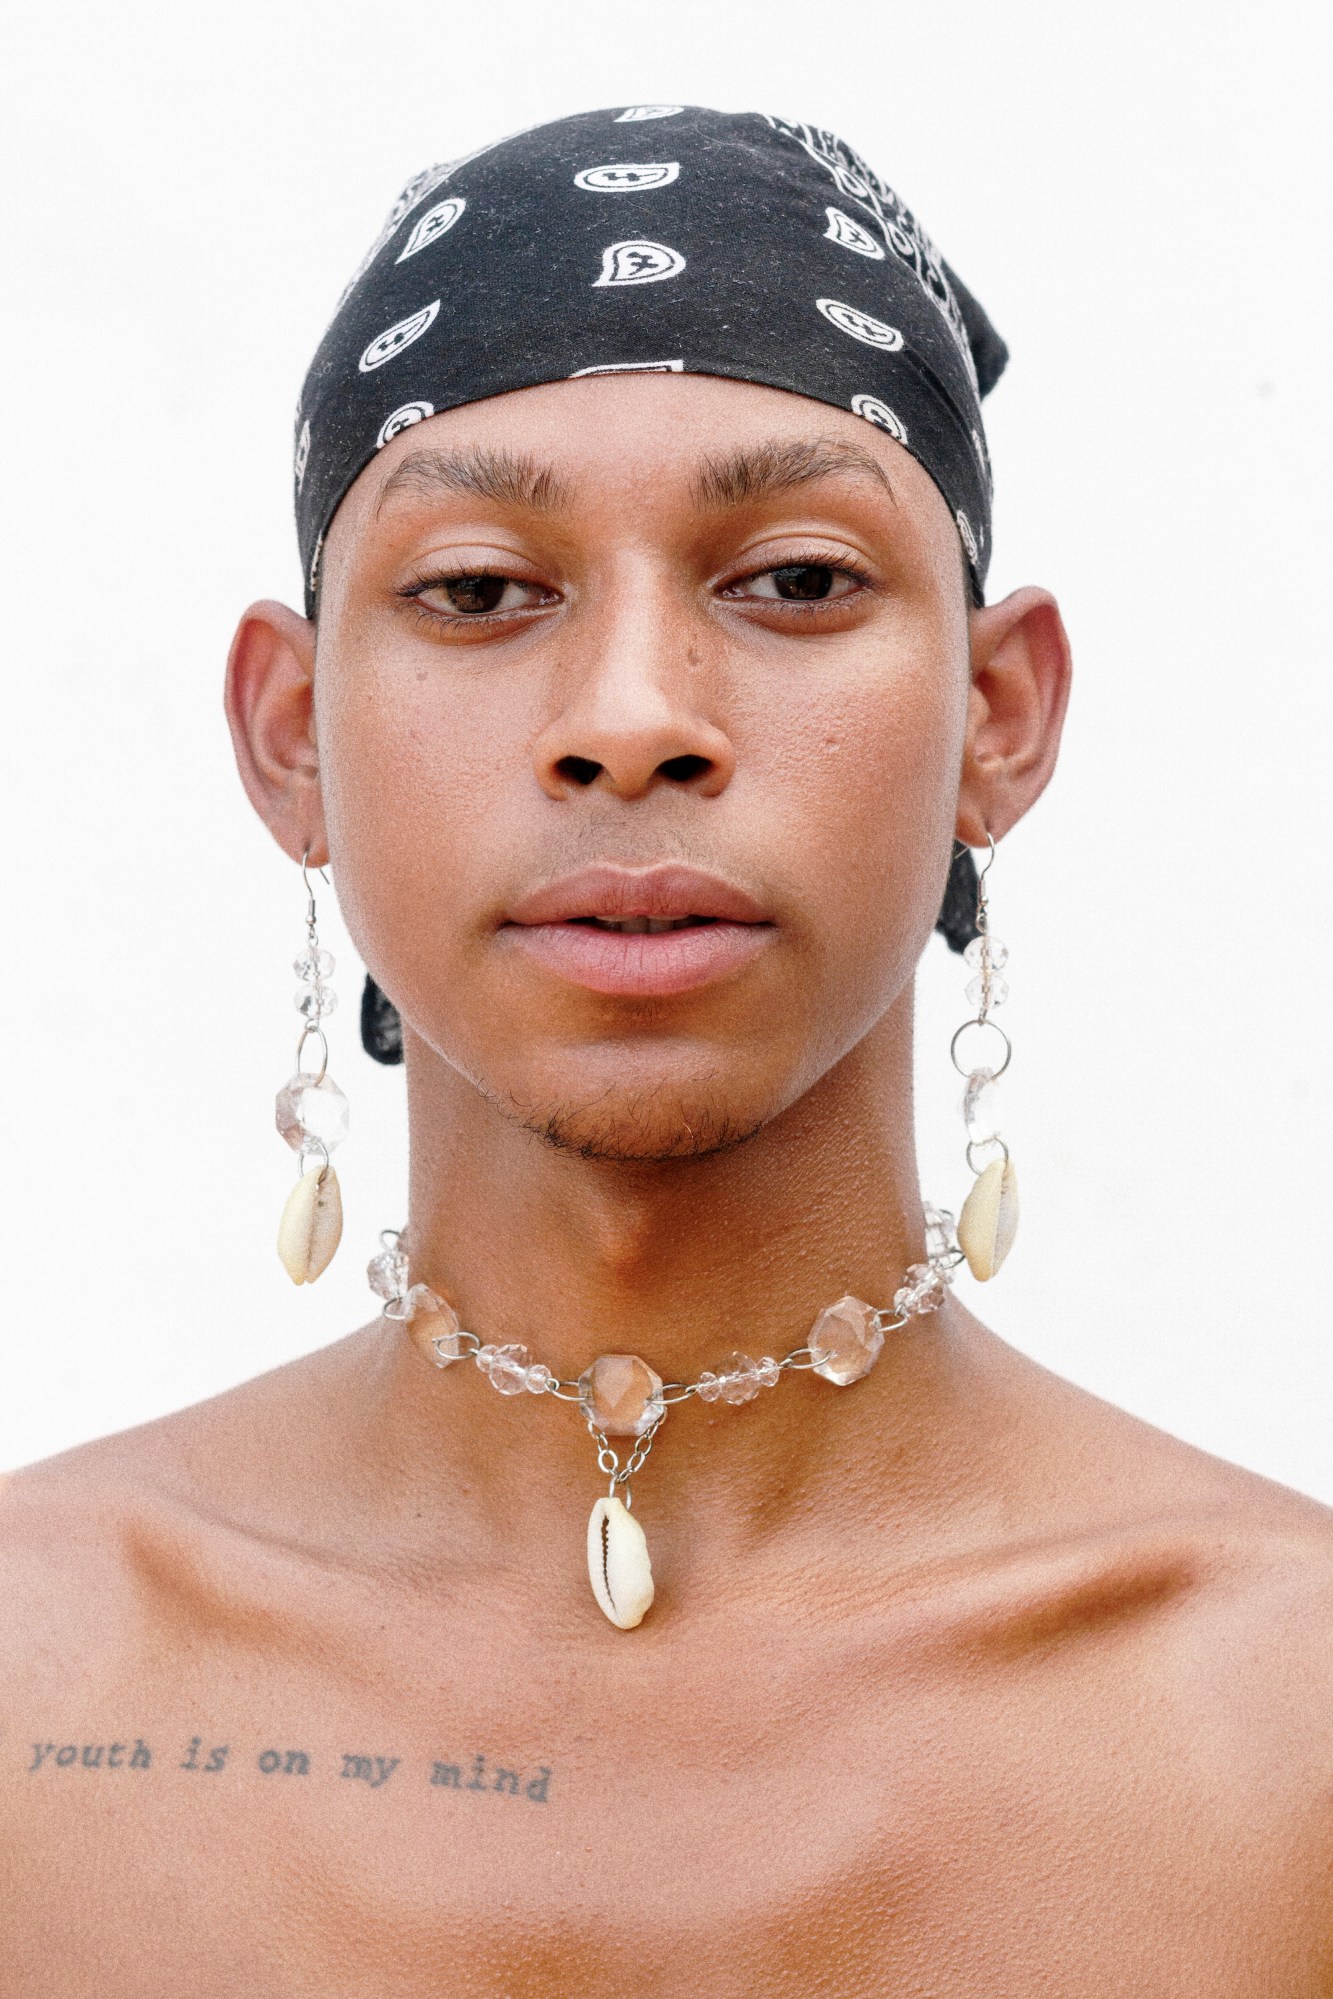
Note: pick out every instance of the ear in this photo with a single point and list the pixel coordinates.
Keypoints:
(1016, 709)
(269, 700)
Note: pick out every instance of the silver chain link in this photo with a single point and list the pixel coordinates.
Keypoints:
(608, 1462)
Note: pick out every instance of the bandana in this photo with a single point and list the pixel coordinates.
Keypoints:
(660, 237)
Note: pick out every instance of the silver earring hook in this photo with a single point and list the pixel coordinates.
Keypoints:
(982, 872)
(305, 877)
(310, 893)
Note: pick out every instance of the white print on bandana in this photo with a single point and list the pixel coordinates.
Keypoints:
(966, 536)
(637, 113)
(878, 413)
(632, 368)
(411, 197)
(860, 325)
(302, 454)
(399, 419)
(436, 222)
(638, 262)
(394, 338)
(902, 232)
(842, 229)
(627, 179)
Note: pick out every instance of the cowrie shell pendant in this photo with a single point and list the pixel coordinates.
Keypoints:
(311, 1226)
(989, 1219)
(618, 1566)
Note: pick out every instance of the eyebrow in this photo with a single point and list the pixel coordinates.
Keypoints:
(759, 470)
(752, 472)
(508, 477)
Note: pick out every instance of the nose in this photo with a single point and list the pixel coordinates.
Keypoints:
(635, 716)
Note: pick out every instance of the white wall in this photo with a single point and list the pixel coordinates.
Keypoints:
(1135, 194)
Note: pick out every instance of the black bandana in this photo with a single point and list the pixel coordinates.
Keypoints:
(660, 237)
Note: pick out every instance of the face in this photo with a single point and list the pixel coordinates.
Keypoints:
(641, 704)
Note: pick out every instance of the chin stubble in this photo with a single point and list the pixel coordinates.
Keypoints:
(638, 1134)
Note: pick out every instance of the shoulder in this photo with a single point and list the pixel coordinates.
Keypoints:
(1219, 1579)
(107, 1548)
(1228, 1576)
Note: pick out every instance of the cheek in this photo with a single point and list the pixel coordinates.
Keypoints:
(413, 776)
(862, 779)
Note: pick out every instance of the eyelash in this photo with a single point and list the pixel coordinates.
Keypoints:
(425, 616)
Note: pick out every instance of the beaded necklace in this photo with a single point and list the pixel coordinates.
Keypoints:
(620, 1395)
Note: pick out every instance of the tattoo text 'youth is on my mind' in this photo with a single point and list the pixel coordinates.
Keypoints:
(204, 1758)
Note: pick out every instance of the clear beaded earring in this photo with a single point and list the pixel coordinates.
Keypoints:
(989, 1218)
(311, 1114)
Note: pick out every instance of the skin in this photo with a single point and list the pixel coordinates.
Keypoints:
(957, 1681)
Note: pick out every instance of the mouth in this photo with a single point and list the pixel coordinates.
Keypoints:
(639, 932)
(642, 926)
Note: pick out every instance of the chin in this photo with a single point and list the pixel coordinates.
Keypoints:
(642, 1125)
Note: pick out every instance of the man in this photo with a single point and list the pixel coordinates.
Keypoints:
(644, 690)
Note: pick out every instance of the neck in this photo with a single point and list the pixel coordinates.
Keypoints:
(680, 1262)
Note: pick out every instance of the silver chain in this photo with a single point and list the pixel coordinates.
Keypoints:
(609, 1463)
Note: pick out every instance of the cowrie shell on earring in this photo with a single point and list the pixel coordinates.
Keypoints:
(618, 1566)
(989, 1220)
(311, 1226)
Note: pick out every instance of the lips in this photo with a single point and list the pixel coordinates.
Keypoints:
(639, 932)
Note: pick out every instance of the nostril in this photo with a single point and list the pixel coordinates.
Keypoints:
(578, 770)
(681, 770)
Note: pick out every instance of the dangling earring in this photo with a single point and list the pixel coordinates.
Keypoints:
(312, 1116)
(989, 1218)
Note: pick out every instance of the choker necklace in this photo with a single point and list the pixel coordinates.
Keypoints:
(619, 1395)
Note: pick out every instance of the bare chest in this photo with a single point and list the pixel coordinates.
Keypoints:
(774, 1819)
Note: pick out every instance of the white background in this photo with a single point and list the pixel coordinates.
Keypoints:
(1135, 194)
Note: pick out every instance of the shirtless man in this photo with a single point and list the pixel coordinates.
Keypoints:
(956, 1681)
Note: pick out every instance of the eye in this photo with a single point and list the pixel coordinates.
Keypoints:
(480, 595)
(799, 583)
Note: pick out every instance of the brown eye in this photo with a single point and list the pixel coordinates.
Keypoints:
(473, 593)
(478, 596)
(799, 583)
(804, 580)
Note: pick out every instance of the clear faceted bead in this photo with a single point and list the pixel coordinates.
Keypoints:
(768, 1374)
(708, 1387)
(506, 1368)
(313, 965)
(740, 1381)
(431, 1321)
(315, 1003)
(975, 990)
(538, 1378)
(981, 1105)
(386, 1273)
(940, 1225)
(974, 954)
(922, 1291)
(306, 1110)
(621, 1395)
(847, 1339)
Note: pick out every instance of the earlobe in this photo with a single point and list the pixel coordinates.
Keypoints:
(1019, 691)
(269, 702)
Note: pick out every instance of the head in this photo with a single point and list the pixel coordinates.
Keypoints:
(645, 645)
